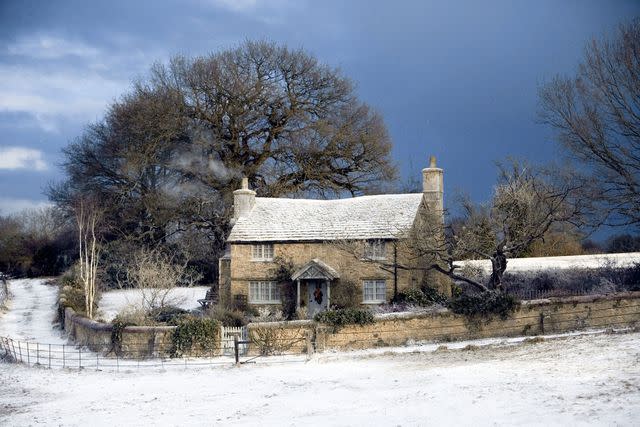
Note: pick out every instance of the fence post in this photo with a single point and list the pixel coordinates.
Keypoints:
(15, 356)
(542, 322)
(236, 349)
(49, 356)
(309, 344)
(63, 357)
(79, 358)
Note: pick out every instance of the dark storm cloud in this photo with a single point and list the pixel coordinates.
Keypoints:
(454, 79)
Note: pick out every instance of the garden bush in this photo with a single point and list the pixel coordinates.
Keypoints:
(424, 297)
(167, 314)
(226, 316)
(345, 316)
(197, 335)
(345, 294)
(485, 305)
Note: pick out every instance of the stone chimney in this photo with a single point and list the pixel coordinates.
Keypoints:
(243, 200)
(433, 186)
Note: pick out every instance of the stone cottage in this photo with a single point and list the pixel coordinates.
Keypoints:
(314, 236)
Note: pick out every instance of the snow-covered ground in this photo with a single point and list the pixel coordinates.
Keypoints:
(586, 378)
(114, 301)
(577, 380)
(562, 262)
(31, 312)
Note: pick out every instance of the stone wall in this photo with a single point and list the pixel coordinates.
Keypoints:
(137, 341)
(532, 318)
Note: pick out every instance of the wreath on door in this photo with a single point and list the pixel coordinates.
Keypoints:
(317, 295)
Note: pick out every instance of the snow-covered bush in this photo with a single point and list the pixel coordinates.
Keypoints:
(345, 316)
(485, 305)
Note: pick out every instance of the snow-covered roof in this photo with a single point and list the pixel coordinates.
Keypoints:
(366, 217)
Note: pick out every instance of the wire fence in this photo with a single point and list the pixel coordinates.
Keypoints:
(68, 356)
(533, 294)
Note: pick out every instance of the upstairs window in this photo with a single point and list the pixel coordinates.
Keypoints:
(375, 249)
(262, 252)
(374, 292)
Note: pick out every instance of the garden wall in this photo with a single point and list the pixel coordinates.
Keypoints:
(136, 341)
(532, 318)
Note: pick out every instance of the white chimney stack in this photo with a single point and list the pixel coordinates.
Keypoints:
(243, 200)
(433, 185)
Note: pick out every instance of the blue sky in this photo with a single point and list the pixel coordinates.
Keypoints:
(456, 79)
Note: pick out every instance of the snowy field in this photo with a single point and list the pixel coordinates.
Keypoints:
(561, 262)
(112, 302)
(578, 380)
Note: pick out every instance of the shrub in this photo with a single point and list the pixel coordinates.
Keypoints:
(607, 278)
(266, 314)
(271, 341)
(167, 314)
(117, 326)
(281, 273)
(227, 317)
(72, 295)
(424, 297)
(195, 334)
(345, 316)
(134, 316)
(485, 305)
(345, 294)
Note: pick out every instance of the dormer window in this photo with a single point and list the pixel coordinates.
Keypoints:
(262, 252)
(375, 250)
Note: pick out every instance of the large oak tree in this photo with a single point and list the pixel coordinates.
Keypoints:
(167, 156)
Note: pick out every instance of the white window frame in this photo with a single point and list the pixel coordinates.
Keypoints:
(262, 252)
(264, 292)
(375, 250)
(379, 293)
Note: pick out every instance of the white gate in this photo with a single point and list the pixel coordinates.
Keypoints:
(228, 334)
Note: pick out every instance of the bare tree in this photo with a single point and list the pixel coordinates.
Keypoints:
(596, 114)
(88, 216)
(156, 274)
(525, 205)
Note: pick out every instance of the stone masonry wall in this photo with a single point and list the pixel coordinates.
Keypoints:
(533, 318)
(137, 341)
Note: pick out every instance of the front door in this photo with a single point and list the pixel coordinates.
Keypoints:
(317, 296)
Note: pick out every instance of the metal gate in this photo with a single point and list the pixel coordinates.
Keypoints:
(228, 335)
